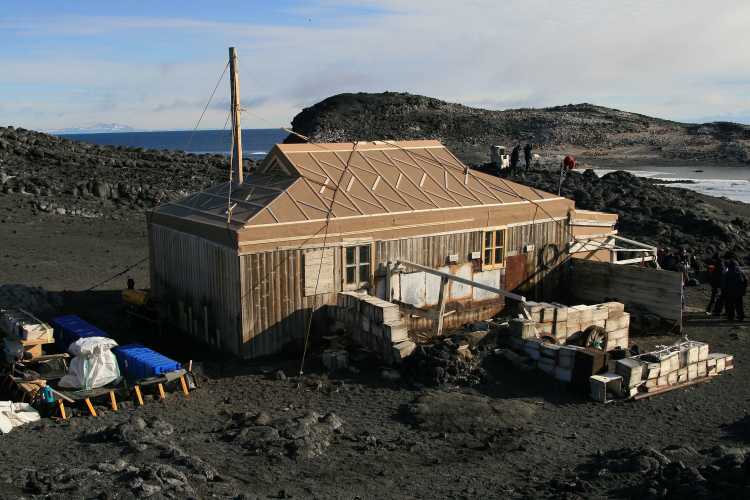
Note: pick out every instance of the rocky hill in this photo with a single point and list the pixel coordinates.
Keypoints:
(584, 129)
(54, 174)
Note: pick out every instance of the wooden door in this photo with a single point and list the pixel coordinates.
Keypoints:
(515, 271)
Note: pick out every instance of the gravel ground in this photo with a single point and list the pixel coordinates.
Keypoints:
(250, 432)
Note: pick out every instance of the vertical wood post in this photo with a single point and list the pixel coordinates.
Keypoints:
(441, 301)
(236, 129)
(388, 277)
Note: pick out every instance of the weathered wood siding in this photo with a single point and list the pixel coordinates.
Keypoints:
(655, 290)
(191, 276)
(275, 307)
(276, 303)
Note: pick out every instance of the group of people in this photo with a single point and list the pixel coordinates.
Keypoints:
(680, 260)
(515, 155)
(728, 286)
(725, 276)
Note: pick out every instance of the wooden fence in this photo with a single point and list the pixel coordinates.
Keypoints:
(654, 290)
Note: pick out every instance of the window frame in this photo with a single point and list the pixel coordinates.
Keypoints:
(493, 247)
(358, 266)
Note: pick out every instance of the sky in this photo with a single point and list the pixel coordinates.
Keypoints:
(152, 65)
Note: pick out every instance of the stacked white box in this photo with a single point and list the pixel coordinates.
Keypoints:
(375, 324)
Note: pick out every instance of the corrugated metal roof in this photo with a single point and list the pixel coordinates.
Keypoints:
(306, 182)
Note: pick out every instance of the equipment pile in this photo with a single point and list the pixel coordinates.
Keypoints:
(35, 383)
(588, 347)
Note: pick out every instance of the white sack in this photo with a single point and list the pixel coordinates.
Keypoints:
(16, 414)
(93, 364)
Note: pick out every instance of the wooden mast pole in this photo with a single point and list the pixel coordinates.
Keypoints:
(234, 79)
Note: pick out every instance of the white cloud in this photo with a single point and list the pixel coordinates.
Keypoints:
(679, 59)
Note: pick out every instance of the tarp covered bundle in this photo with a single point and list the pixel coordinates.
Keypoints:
(94, 365)
(15, 414)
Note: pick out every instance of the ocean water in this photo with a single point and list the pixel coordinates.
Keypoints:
(255, 142)
(730, 182)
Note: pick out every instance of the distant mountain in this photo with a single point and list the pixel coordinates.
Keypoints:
(96, 128)
(587, 130)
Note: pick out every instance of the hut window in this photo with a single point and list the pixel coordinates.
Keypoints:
(494, 249)
(357, 265)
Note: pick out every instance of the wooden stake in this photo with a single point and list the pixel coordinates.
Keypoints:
(184, 385)
(61, 406)
(90, 407)
(113, 400)
(138, 395)
(234, 80)
(162, 396)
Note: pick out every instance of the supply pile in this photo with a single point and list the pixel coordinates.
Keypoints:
(375, 324)
(659, 371)
(562, 323)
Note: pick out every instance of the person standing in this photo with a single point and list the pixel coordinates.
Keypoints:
(714, 270)
(515, 156)
(527, 155)
(569, 162)
(733, 287)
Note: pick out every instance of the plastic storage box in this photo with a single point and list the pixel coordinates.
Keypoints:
(68, 329)
(138, 362)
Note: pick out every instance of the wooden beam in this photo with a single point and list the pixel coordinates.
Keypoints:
(648, 258)
(234, 80)
(441, 305)
(464, 281)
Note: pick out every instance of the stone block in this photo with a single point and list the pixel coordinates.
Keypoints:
(563, 374)
(561, 314)
(604, 384)
(395, 332)
(672, 378)
(617, 322)
(544, 328)
(402, 350)
(599, 313)
(703, 352)
(692, 371)
(521, 328)
(668, 363)
(652, 370)
(549, 351)
(631, 370)
(615, 309)
(547, 365)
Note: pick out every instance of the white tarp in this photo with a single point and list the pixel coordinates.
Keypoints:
(93, 364)
(15, 414)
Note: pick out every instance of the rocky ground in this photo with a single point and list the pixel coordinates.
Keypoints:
(487, 429)
(586, 130)
(481, 428)
(653, 213)
(56, 175)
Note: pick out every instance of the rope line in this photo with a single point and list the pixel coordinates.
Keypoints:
(118, 274)
(320, 264)
(205, 108)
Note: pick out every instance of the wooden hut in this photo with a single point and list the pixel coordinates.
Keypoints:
(243, 265)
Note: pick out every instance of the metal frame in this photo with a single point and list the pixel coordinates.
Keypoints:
(649, 252)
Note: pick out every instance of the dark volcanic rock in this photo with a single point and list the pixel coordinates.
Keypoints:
(650, 212)
(79, 179)
(469, 132)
